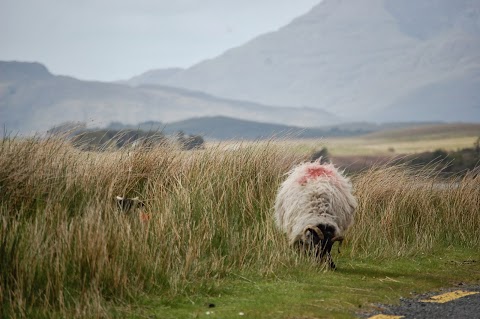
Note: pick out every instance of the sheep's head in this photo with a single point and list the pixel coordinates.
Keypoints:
(127, 205)
(320, 239)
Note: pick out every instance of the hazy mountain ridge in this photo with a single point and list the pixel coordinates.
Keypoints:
(21, 71)
(152, 77)
(226, 128)
(32, 99)
(367, 59)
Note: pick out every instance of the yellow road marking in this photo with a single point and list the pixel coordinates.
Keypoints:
(385, 317)
(449, 296)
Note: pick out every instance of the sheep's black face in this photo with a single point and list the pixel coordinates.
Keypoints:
(320, 240)
(128, 204)
(326, 244)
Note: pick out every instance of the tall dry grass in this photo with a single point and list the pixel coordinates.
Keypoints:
(404, 210)
(66, 250)
(64, 245)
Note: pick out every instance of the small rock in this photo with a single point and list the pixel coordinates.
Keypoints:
(241, 313)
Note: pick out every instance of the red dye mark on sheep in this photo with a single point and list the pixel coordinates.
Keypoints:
(314, 173)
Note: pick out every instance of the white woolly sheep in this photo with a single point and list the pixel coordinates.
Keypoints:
(314, 207)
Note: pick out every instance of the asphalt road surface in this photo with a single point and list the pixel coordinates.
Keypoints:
(456, 303)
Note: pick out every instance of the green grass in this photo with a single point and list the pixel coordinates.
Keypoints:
(66, 251)
(309, 292)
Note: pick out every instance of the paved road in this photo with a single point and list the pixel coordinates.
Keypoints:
(456, 303)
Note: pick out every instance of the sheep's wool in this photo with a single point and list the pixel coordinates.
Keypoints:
(314, 194)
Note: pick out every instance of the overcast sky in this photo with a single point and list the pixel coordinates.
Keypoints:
(116, 39)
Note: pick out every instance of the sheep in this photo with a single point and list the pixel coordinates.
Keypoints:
(131, 205)
(127, 205)
(314, 206)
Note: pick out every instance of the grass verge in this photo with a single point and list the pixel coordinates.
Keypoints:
(354, 289)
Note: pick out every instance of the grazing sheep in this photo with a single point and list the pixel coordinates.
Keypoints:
(314, 207)
(131, 205)
(127, 205)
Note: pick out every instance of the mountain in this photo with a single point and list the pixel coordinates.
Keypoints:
(33, 99)
(383, 60)
(153, 77)
(25, 71)
(224, 128)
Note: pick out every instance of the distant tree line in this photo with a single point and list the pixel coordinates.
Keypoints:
(108, 138)
(447, 163)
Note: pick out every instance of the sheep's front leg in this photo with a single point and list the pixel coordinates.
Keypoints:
(331, 264)
(325, 256)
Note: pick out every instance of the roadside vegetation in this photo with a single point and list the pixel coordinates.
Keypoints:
(66, 250)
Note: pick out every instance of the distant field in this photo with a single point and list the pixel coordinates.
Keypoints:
(423, 138)
(431, 132)
(357, 153)
(419, 139)
(448, 137)
(365, 146)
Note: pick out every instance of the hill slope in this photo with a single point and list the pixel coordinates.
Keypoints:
(384, 60)
(32, 99)
(224, 128)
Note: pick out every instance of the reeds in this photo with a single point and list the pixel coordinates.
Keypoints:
(64, 245)
(404, 211)
(66, 250)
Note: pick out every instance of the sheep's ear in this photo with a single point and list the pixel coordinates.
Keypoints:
(337, 238)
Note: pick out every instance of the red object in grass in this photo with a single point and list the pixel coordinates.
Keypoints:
(144, 217)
